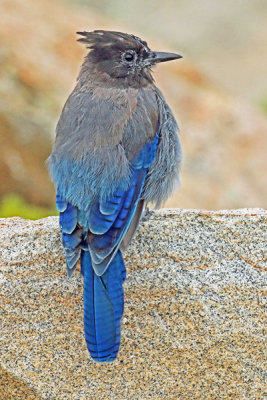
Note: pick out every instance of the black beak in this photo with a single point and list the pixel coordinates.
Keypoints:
(161, 56)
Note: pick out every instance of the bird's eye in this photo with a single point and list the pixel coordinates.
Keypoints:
(129, 56)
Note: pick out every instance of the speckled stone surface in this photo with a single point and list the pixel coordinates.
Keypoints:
(194, 319)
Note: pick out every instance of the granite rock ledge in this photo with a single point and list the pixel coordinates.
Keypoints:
(193, 326)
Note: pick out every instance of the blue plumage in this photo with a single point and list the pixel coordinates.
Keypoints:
(102, 264)
(61, 203)
(72, 240)
(116, 149)
(68, 219)
(103, 308)
(112, 204)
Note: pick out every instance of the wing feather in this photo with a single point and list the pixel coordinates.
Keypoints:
(109, 219)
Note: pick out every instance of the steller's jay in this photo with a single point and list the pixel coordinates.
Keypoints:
(116, 149)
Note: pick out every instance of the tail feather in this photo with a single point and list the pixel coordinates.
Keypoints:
(103, 307)
(116, 276)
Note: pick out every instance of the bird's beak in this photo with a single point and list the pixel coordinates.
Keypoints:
(161, 56)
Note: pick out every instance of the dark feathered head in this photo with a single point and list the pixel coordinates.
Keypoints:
(122, 55)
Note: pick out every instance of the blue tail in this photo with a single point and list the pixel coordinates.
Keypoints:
(103, 307)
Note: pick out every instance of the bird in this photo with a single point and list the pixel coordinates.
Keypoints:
(116, 150)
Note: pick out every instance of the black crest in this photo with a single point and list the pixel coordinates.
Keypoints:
(100, 39)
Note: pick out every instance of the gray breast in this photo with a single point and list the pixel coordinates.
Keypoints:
(142, 126)
(163, 174)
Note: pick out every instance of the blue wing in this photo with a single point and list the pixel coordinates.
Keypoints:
(72, 235)
(101, 260)
(110, 219)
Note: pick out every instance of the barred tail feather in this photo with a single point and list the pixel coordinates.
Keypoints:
(103, 307)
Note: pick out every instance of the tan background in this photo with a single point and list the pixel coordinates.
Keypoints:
(218, 92)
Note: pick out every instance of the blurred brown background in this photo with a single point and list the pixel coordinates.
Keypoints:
(218, 92)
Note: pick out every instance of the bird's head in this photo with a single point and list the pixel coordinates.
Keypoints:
(123, 56)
